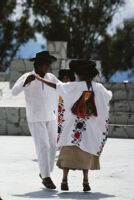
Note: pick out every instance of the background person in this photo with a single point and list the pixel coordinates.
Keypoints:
(66, 75)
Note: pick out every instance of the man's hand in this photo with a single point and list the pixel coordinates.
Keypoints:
(37, 77)
(51, 84)
(29, 79)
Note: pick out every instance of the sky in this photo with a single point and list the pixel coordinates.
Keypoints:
(125, 12)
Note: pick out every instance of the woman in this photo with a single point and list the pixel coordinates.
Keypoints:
(84, 129)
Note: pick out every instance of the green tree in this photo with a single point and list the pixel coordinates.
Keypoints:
(13, 33)
(116, 52)
(82, 23)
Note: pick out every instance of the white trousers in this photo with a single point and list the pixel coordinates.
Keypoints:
(44, 135)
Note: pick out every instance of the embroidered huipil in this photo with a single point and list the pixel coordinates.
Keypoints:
(89, 133)
(41, 100)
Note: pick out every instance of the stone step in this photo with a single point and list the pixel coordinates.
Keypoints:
(121, 118)
(121, 131)
(122, 106)
(119, 86)
(121, 91)
(127, 94)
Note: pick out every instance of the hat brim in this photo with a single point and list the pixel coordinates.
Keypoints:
(50, 59)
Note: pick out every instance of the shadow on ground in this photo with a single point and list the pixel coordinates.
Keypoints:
(49, 194)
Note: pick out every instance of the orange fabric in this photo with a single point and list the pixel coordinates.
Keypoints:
(85, 105)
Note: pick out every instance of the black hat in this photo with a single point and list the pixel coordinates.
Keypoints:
(66, 72)
(44, 56)
(82, 66)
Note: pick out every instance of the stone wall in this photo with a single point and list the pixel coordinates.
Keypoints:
(122, 110)
(13, 117)
(13, 120)
(4, 76)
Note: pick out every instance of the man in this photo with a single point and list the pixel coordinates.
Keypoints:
(40, 113)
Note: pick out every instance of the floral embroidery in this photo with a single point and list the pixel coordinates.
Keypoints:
(105, 135)
(61, 120)
(80, 127)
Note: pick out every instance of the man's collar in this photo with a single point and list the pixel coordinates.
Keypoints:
(33, 71)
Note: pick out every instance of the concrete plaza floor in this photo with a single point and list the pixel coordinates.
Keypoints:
(19, 173)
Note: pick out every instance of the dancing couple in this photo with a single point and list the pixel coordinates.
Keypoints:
(82, 107)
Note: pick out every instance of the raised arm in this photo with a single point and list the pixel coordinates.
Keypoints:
(18, 86)
(21, 83)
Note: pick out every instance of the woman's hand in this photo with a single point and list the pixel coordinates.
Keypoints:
(37, 77)
(49, 83)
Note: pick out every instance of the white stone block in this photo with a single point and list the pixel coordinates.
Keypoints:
(118, 86)
(130, 85)
(28, 65)
(117, 132)
(14, 75)
(2, 127)
(63, 53)
(119, 94)
(24, 126)
(110, 131)
(131, 103)
(57, 55)
(12, 114)
(121, 106)
(131, 94)
(122, 118)
(22, 113)
(121, 131)
(130, 132)
(58, 49)
(51, 46)
(55, 72)
(64, 44)
(131, 119)
(112, 107)
(4, 76)
(14, 129)
(58, 46)
(56, 65)
(18, 65)
(2, 113)
(108, 85)
(65, 63)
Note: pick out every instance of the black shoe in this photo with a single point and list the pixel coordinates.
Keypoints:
(64, 186)
(86, 187)
(48, 183)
